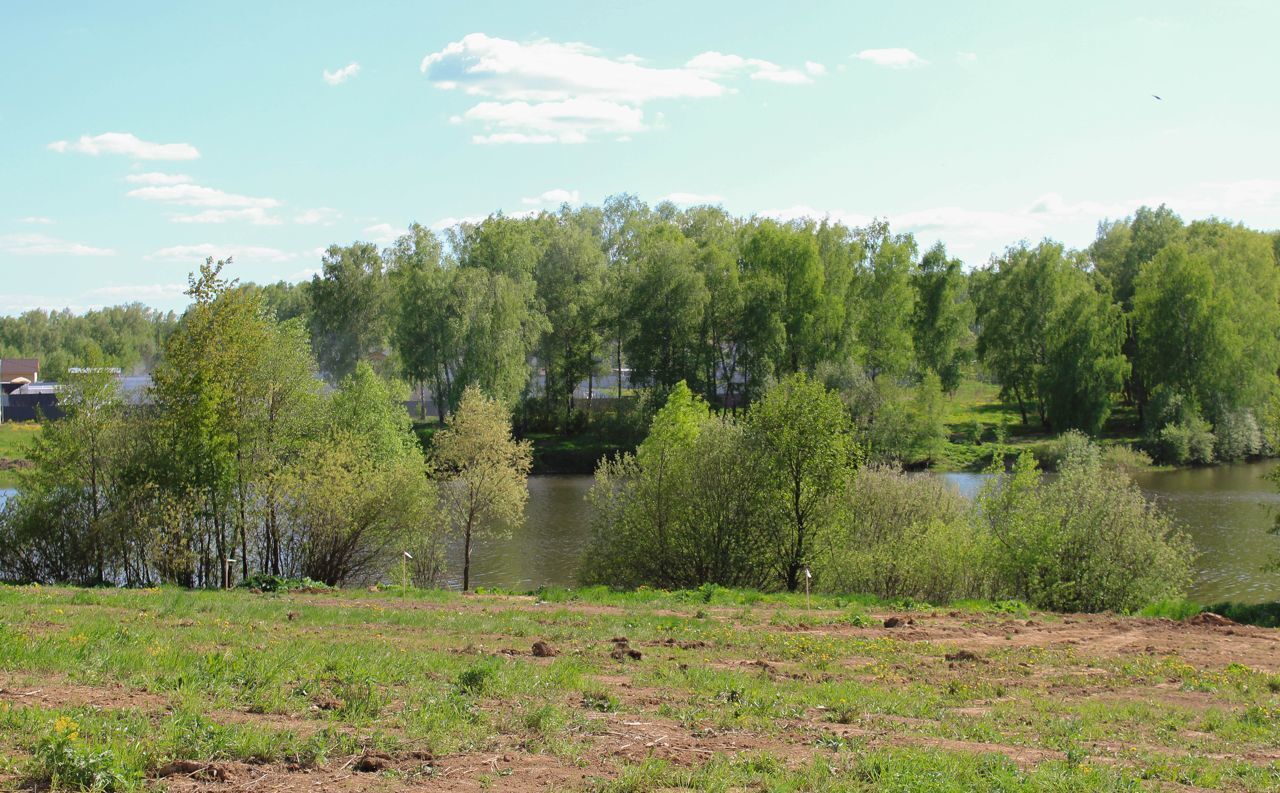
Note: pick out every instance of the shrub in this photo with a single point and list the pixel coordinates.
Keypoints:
(1238, 435)
(1186, 442)
(1125, 458)
(63, 760)
(1086, 541)
(906, 536)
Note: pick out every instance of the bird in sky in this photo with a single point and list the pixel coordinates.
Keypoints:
(1158, 97)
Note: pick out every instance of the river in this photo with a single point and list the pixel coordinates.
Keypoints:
(1226, 509)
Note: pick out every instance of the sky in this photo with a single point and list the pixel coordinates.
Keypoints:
(137, 138)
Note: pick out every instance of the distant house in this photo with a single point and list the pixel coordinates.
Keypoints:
(16, 372)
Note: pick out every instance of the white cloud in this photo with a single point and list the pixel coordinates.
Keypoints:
(255, 215)
(978, 233)
(44, 245)
(310, 217)
(339, 76)
(892, 57)
(691, 199)
(199, 196)
(140, 292)
(544, 71)
(382, 233)
(450, 222)
(36, 220)
(157, 178)
(558, 92)
(556, 196)
(252, 253)
(716, 65)
(127, 144)
(568, 121)
(966, 57)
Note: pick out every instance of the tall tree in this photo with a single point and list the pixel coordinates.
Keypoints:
(888, 301)
(487, 472)
(570, 274)
(664, 302)
(785, 278)
(801, 431)
(943, 317)
(349, 317)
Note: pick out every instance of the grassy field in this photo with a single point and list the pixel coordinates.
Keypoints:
(14, 441)
(709, 690)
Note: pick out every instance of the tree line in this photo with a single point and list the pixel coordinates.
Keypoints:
(1179, 323)
(126, 337)
(1175, 322)
(243, 463)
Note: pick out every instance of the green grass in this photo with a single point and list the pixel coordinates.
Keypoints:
(15, 440)
(818, 693)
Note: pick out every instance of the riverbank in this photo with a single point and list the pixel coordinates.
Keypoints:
(642, 691)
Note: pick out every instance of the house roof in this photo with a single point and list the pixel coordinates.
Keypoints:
(19, 367)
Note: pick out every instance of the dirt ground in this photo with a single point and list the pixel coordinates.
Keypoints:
(950, 648)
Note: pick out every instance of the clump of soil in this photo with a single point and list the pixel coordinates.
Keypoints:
(622, 650)
(962, 656)
(372, 762)
(195, 770)
(897, 622)
(543, 650)
(1210, 619)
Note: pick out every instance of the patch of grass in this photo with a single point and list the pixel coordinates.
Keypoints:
(829, 697)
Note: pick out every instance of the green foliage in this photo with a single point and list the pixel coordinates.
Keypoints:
(684, 510)
(942, 317)
(1085, 541)
(905, 536)
(348, 307)
(129, 337)
(64, 761)
(1050, 337)
(486, 468)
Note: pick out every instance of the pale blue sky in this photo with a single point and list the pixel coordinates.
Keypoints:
(243, 128)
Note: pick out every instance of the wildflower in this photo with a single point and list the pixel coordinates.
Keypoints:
(66, 727)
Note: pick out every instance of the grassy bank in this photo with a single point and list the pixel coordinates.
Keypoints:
(15, 440)
(707, 690)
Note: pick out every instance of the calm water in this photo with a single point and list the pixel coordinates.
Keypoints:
(1226, 510)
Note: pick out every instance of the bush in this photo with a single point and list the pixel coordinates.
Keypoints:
(1050, 454)
(906, 536)
(62, 760)
(1086, 541)
(1123, 457)
(1186, 442)
(1238, 436)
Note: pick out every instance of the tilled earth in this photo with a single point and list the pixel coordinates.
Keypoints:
(569, 695)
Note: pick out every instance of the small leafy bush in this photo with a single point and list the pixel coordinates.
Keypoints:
(62, 760)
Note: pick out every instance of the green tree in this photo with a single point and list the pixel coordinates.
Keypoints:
(487, 471)
(943, 317)
(422, 332)
(349, 316)
(570, 274)
(801, 432)
(664, 303)
(888, 302)
(785, 280)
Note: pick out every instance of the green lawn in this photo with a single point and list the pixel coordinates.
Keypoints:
(712, 690)
(15, 439)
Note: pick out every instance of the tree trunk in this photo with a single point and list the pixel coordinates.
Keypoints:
(466, 559)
